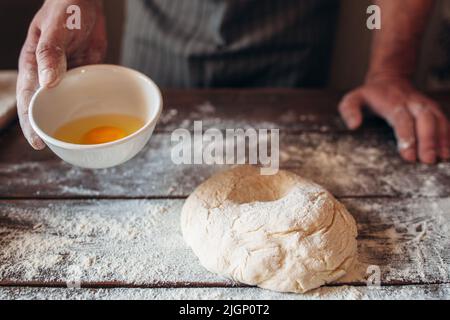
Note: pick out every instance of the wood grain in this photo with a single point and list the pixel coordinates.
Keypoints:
(349, 165)
(427, 292)
(290, 110)
(117, 230)
(121, 243)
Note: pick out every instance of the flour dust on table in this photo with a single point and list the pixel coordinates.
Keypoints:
(280, 232)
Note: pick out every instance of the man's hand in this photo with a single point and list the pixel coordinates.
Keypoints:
(421, 127)
(50, 48)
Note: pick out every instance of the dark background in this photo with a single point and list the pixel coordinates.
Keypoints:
(350, 54)
(15, 16)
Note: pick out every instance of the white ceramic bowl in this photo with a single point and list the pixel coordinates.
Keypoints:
(94, 90)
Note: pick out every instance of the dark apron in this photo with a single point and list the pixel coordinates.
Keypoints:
(231, 43)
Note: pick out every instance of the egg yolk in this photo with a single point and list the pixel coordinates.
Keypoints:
(103, 135)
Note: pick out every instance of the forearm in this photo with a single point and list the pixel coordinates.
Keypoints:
(396, 46)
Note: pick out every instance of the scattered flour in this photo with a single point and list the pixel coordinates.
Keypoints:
(324, 293)
(347, 167)
(140, 242)
(120, 241)
(168, 116)
(206, 108)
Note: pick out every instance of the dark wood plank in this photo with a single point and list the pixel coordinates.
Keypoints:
(419, 292)
(290, 110)
(267, 108)
(349, 165)
(138, 243)
(286, 109)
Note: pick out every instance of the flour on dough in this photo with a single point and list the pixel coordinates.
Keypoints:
(279, 232)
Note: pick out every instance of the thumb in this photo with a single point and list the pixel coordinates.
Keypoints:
(51, 57)
(350, 109)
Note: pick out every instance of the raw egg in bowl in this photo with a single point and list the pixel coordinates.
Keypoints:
(99, 116)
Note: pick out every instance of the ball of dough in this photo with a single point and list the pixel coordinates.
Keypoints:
(280, 232)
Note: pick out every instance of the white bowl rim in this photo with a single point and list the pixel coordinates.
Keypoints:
(73, 146)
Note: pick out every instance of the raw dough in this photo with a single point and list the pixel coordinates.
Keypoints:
(279, 232)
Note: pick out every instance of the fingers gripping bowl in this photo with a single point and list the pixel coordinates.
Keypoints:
(91, 91)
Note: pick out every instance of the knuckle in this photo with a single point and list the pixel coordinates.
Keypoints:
(406, 143)
(433, 105)
(428, 147)
(27, 66)
(27, 76)
(405, 135)
(421, 110)
(23, 98)
(347, 101)
(23, 113)
(343, 107)
(28, 49)
(428, 122)
(427, 137)
(428, 113)
(48, 51)
(400, 116)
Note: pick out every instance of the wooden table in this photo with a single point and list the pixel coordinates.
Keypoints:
(117, 230)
